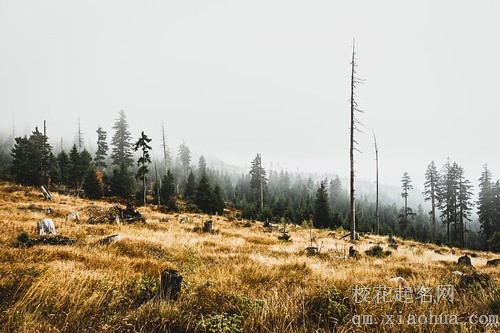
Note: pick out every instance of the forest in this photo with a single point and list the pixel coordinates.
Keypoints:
(124, 169)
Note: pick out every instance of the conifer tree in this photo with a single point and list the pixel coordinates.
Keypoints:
(102, 149)
(431, 191)
(322, 214)
(258, 182)
(167, 191)
(91, 185)
(143, 161)
(190, 188)
(406, 186)
(121, 152)
(487, 210)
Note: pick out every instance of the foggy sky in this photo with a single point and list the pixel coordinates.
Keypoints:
(233, 78)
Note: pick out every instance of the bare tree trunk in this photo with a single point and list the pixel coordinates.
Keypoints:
(377, 214)
(352, 215)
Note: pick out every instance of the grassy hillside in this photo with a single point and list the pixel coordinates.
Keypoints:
(240, 278)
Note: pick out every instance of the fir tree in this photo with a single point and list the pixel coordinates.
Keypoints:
(406, 186)
(204, 196)
(143, 161)
(121, 152)
(92, 186)
(431, 191)
(487, 210)
(322, 213)
(190, 187)
(167, 191)
(102, 149)
(258, 182)
(122, 183)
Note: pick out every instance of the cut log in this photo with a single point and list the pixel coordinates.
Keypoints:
(170, 286)
(465, 260)
(111, 238)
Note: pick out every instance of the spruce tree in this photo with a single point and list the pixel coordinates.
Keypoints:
(431, 191)
(322, 215)
(91, 185)
(487, 210)
(64, 168)
(203, 197)
(190, 188)
(102, 149)
(121, 152)
(143, 161)
(167, 191)
(258, 182)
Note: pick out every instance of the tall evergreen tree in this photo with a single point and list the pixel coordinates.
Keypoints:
(464, 204)
(487, 210)
(431, 191)
(322, 214)
(258, 181)
(184, 155)
(406, 186)
(122, 183)
(448, 195)
(143, 161)
(92, 186)
(64, 168)
(102, 149)
(167, 191)
(121, 152)
(203, 196)
(190, 188)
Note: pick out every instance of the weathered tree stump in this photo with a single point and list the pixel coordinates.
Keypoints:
(170, 286)
(46, 227)
(352, 252)
(465, 261)
(207, 226)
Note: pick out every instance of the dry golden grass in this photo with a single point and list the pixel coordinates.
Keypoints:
(240, 278)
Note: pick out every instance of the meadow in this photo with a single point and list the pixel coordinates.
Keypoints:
(238, 278)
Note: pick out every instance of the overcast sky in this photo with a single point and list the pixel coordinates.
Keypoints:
(233, 78)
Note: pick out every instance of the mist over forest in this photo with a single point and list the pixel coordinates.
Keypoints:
(147, 170)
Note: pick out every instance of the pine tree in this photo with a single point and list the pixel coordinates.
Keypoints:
(487, 210)
(167, 191)
(448, 195)
(218, 200)
(91, 185)
(258, 182)
(202, 164)
(184, 155)
(143, 161)
(322, 218)
(64, 168)
(203, 196)
(190, 188)
(121, 152)
(102, 149)
(431, 191)
(464, 204)
(122, 183)
(406, 186)
(23, 168)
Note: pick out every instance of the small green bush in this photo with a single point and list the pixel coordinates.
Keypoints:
(222, 323)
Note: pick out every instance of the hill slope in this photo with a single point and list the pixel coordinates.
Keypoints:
(238, 278)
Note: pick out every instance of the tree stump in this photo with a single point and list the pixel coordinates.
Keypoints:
(465, 260)
(352, 252)
(207, 226)
(170, 286)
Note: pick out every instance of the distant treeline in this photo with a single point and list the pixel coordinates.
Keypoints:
(278, 196)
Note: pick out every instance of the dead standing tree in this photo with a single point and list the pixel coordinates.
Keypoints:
(377, 213)
(353, 142)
